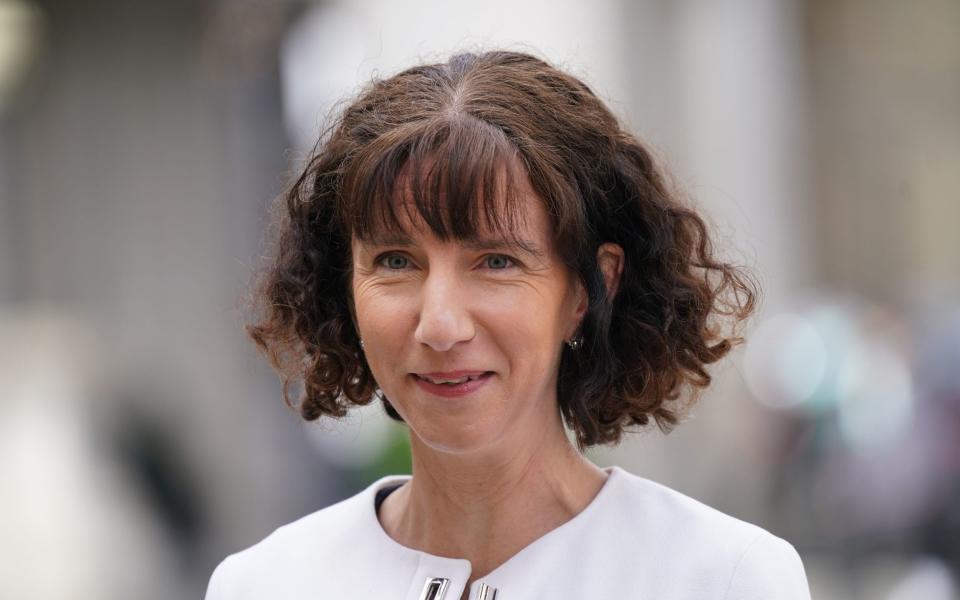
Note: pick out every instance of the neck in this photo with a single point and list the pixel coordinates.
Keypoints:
(488, 506)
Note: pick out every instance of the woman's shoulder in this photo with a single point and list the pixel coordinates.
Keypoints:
(322, 536)
(743, 558)
(660, 506)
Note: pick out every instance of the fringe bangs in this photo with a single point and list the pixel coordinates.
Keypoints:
(458, 176)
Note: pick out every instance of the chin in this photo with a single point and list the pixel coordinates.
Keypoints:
(454, 440)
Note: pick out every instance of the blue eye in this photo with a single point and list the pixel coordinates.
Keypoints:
(499, 261)
(393, 261)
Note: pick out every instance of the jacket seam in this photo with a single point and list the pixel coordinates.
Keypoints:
(736, 566)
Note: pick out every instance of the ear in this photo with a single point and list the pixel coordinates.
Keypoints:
(610, 258)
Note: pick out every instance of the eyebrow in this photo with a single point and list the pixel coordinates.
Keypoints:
(475, 244)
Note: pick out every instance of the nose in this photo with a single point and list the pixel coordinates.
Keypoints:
(445, 318)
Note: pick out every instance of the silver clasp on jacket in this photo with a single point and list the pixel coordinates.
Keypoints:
(434, 588)
(487, 592)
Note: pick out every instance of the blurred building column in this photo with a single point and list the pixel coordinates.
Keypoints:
(719, 89)
(744, 104)
(887, 131)
(21, 28)
(8, 248)
(146, 159)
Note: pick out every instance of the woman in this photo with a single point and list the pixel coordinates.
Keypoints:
(482, 247)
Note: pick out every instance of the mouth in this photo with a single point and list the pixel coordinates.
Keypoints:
(452, 384)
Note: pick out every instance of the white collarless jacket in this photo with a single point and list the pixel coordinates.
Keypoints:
(637, 539)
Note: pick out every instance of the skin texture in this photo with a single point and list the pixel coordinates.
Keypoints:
(492, 471)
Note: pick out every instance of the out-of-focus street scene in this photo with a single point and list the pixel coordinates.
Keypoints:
(143, 438)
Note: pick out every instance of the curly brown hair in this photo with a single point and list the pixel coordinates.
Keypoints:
(449, 130)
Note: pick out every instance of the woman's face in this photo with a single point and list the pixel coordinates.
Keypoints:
(430, 307)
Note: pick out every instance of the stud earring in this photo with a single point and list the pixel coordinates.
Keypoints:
(361, 343)
(575, 342)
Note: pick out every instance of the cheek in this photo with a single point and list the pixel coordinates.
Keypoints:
(526, 326)
(381, 319)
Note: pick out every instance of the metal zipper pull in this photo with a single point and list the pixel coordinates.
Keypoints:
(434, 588)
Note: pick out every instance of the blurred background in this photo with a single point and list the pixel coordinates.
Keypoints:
(141, 437)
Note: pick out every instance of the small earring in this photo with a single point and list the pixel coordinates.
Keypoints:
(575, 342)
(361, 343)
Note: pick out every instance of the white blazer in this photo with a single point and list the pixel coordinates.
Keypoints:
(636, 539)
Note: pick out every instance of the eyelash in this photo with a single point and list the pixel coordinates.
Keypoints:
(382, 257)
